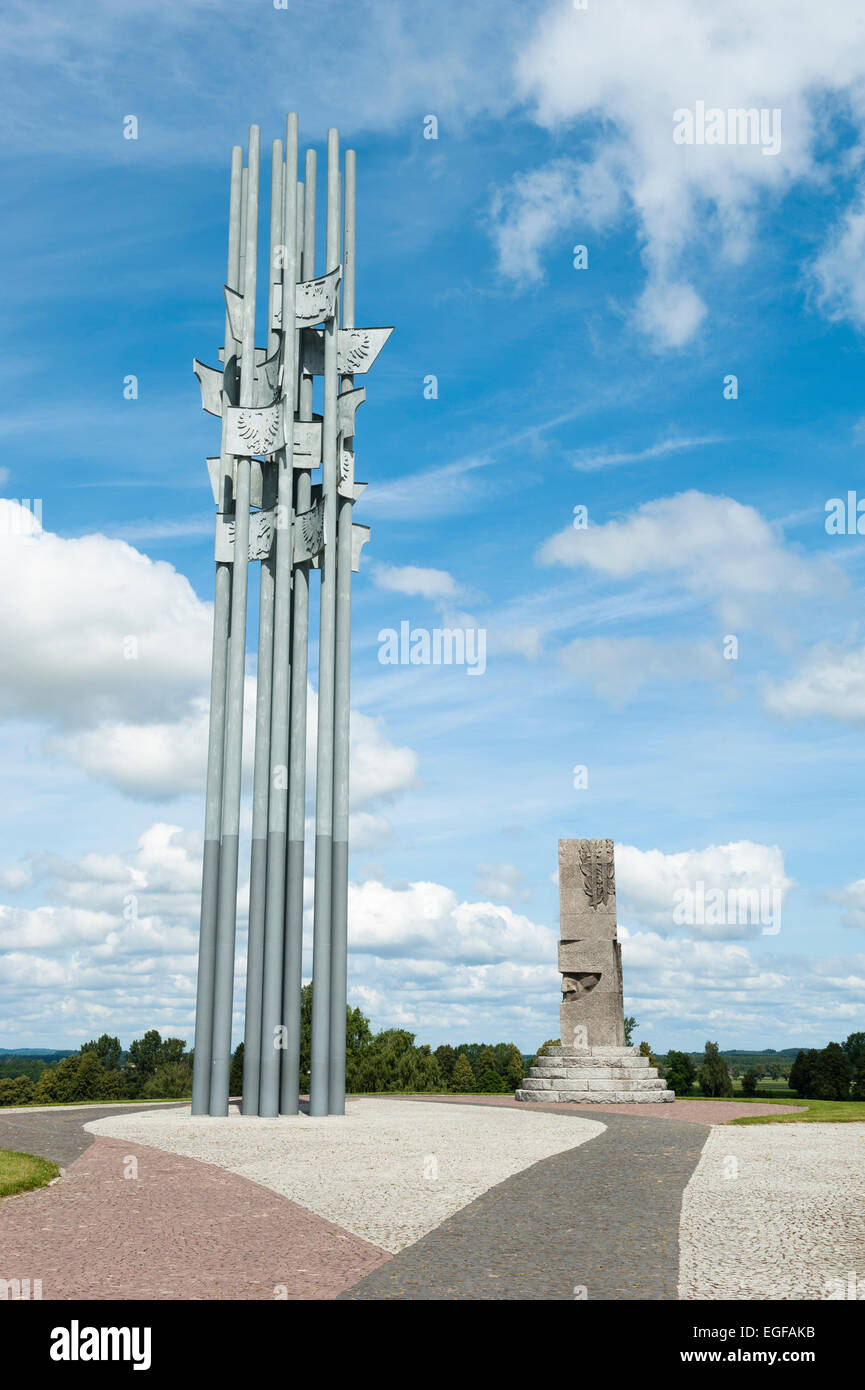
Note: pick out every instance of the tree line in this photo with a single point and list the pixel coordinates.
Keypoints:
(157, 1068)
(834, 1072)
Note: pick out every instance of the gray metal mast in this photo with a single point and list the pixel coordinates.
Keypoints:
(271, 1016)
(320, 1043)
(216, 733)
(227, 906)
(341, 700)
(290, 1084)
(268, 510)
(261, 769)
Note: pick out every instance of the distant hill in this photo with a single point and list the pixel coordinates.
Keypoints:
(751, 1054)
(46, 1052)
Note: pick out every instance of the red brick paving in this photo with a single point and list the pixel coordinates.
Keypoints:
(701, 1112)
(179, 1230)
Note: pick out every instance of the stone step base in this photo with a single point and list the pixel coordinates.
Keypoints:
(595, 1063)
(604, 1051)
(594, 1083)
(557, 1067)
(609, 1097)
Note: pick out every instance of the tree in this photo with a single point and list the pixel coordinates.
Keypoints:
(775, 1071)
(463, 1079)
(235, 1075)
(830, 1078)
(630, 1028)
(859, 1079)
(145, 1055)
(714, 1077)
(172, 1050)
(89, 1077)
(646, 1051)
(801, 1072)
(749, 1082)
(170, 1081)
(63, 1086)
(112, 1086)
(45, 1094)
(822, 1074)
(490, 1083)
(515, 1069)
(854, 1049)
(446, 1057)
(680, 1073)
(107, 1049)
(737, 1071)
(550, 1042)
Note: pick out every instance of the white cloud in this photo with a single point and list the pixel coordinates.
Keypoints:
(616, 667)
(628, 67)
(840, 269)
(426, 920)
(652, 885)
(717, 547)
(93, 630)
(116, 952)
(416, 581)
(110, 652)
(670, 313)
(852, 898)
(502, 881)
(591, 461)
(831, 683)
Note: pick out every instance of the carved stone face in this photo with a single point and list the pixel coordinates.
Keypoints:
(582, 982)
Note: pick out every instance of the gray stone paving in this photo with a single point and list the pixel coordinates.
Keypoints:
(58, 1135)
(603, 1217)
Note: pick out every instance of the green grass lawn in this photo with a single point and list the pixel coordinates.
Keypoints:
(822, 1111)
(65, 1104)
(23, 1172)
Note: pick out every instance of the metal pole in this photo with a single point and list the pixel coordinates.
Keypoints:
(274, 929)
(320, 1048)
(293, 969)
(293, 974)
(227, 909)
(261, 773)
(341, 699)
(216, 737)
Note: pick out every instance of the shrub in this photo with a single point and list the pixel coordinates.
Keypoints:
(17, 1090)
(749, 1082)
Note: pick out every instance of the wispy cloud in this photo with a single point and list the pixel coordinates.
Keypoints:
(592, 462)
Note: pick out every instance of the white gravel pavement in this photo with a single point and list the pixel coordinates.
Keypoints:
(389, 1170)
(776, 1212)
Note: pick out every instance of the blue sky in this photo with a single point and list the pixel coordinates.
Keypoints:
(557, 388)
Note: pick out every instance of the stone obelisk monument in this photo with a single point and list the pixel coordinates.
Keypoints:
(592, 1063)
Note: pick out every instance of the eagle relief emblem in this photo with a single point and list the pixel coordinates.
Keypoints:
(597, 865)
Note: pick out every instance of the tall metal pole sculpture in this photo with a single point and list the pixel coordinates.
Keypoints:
(224, 498)
(268, 510)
